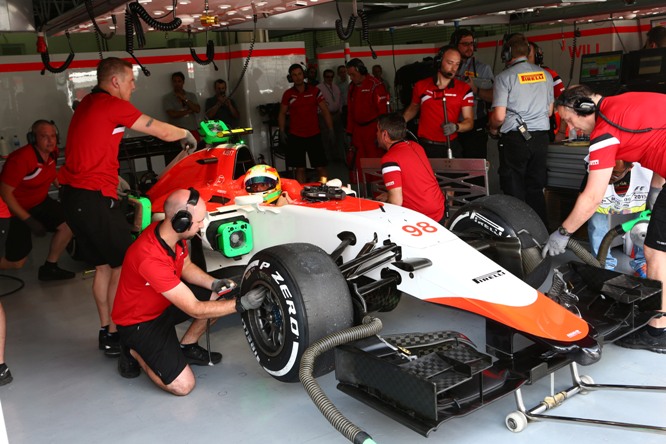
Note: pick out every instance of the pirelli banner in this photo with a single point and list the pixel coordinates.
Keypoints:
(532, 77)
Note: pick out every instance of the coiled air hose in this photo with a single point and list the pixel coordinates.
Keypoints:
(365, 31)
(344, 34)
(370, 326)
(43, 51)
(210, 51)
(137, 9)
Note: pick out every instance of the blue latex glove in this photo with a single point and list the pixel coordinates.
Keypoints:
(557, 244)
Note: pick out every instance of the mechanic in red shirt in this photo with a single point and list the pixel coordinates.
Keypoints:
(624, 127)
(90, 180)
(430, 95)
(303, 101)
(24, 185)
(407, 173)
(161, 287)
(367, 99)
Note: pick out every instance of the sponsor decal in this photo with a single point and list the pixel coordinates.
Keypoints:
(489, 276)
(594, 162)
(532, 77)
(390, 184)
(573, 334)
(487, 224)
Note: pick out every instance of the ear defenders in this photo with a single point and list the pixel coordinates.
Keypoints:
(506, 48)
(538, 53)
(584, 106)
(182, 220)
(31, 137)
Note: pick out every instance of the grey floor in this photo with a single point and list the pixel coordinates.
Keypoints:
(65, 390)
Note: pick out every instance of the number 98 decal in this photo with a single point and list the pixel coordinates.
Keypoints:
(419, 229)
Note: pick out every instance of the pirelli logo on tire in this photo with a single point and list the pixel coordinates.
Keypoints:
(532, 77)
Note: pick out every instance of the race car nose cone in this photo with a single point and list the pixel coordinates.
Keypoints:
(589, 352)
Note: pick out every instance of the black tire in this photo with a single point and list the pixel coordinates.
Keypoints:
(510, 217)
(308, 299)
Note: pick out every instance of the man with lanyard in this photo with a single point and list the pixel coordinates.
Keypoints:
(89, 181)
(624, 127)
(367, 99)
(439, 129)
(407, 174)
(160, 287)
(303, 101)
(333, 98)
(221, 107)
(522, 104)
(24, 185)
(479, 77)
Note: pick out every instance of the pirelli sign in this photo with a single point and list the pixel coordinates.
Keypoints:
(532, 77)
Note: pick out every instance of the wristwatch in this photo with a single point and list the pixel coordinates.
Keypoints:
(563, 231)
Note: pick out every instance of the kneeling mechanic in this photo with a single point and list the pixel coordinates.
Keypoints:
(161, 287)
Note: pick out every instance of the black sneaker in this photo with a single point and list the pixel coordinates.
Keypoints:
(128, 367)
(110, 343)
(54, 273)
(197, 355)
(5, 375)
(642, 340)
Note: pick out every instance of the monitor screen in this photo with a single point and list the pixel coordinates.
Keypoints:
(601, 67)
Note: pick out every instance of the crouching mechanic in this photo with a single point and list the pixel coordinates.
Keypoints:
(623, 127)
(160, 287)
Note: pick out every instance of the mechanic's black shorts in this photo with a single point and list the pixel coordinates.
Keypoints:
(19, 243)
(156, 340)
(297, 147)
(102, 233)
(656, 233)
(4, 229)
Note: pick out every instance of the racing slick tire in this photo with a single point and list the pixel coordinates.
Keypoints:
(502, 215)
(308, 299)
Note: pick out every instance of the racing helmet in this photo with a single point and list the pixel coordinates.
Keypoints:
(264, 180)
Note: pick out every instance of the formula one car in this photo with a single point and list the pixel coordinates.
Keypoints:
(330, 258)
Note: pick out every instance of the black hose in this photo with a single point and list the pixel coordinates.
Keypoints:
(98, 31)
(582, 253)
(46, 59)
(210, 51)
(344, 34)
(20, 283)
(248, 58)
(130, 22)
(365, 31)
(139, 10)
(607, 242)
(369, 327)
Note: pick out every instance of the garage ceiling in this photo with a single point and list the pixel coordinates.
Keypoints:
(56, 16)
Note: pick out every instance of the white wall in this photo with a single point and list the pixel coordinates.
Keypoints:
(26, 96)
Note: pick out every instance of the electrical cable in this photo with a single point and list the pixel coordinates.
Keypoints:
(21, 284)
(43, 50)
(344, 34)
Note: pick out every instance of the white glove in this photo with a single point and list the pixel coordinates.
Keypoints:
(449, 128)
(652, 197)
(251, 300)
(557, 244)
(188, 142)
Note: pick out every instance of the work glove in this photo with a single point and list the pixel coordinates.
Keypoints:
(449, 128)
(652, 197)
(188, 142)
(283, 138)
(251, 300)
(222, 287)
(557, 244)
(35, 226)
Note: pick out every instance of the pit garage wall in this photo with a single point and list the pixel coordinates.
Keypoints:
(26, 95)
(558, 47)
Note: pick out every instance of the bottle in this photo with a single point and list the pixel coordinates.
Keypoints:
(573, 135)
(4, 147)
(16, 143)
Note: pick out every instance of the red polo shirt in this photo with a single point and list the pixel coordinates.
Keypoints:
(458, 95)
(303, 110)
(30, 176)
(149, 269)
(365, 102)
(91, 153)
(406, 165)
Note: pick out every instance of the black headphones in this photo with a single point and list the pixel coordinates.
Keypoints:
(458, 34)
(293, 67)
(538, 53)
(358, 64)
(182, 220)
(506, 48)
(31, 137)
(437, 61)
(583, 106)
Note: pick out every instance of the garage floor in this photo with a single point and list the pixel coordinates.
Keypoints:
(66, 391)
